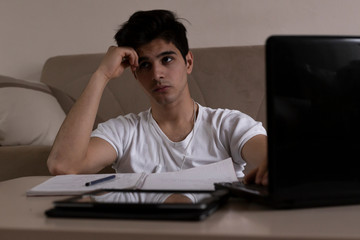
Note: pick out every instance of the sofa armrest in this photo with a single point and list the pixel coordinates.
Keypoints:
(20, 161)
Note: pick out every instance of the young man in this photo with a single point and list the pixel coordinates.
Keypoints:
(175, 133)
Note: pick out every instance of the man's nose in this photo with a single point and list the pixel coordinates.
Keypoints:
(158, 71)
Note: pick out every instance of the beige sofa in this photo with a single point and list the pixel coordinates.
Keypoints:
(225, 77)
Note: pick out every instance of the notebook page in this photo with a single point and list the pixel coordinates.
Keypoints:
(75, 184)
(198, 178)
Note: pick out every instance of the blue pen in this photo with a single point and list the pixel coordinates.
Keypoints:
(99, 180)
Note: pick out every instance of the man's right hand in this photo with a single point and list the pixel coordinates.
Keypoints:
(116, 60)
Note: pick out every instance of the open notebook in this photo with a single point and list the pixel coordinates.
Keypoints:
(199, 178)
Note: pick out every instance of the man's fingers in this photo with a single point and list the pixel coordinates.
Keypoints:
(265, 179)
(250, 177)
(130, 58)
(262, 174)
(258, 175)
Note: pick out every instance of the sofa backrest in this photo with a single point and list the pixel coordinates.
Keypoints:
(222, 77)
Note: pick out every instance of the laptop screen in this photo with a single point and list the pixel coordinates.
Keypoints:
(313, 107)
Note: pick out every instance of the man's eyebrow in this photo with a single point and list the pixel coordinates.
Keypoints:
(157, 56)
(166, 53)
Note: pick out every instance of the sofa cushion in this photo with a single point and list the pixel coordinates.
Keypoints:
(29, 113)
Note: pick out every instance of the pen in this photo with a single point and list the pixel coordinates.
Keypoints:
(100, 180)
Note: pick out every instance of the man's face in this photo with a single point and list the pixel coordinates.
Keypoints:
(163, 72)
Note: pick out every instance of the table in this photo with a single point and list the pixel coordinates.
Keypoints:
(23, 217)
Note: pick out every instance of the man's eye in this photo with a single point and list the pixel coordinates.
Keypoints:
(167, 59)
(144, 65)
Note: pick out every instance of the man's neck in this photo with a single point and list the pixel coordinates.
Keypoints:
(176, 120)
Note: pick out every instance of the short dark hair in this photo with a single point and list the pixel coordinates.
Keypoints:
(145, 26)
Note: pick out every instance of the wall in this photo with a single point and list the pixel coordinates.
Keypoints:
(32, 31)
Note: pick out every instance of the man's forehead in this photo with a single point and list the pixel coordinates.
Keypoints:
(157, 48)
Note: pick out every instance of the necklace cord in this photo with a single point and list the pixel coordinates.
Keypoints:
(192, 135)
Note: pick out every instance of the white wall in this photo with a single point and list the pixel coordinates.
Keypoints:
(33, 30)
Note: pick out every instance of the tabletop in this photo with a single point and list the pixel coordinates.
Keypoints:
(23, 217)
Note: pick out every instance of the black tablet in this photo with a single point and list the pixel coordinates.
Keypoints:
(140, 204)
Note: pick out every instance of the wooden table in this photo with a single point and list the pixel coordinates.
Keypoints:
(23, 217)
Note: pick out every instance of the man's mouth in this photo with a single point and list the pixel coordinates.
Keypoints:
(160, 89)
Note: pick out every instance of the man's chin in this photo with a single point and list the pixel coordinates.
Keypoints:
(163, 100)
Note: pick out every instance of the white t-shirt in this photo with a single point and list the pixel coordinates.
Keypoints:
(141, 146)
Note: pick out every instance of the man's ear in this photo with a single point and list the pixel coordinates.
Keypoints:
(189, 62)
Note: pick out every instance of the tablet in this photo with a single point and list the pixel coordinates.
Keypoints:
(141, 204)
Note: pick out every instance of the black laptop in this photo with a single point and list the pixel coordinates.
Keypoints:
(313, 121)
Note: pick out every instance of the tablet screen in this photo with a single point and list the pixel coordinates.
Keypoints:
(124, 197)
(142, 197)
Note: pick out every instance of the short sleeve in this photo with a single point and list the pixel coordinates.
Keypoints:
(117, 132)
(237, 129)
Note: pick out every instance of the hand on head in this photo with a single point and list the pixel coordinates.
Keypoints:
(116, 60)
